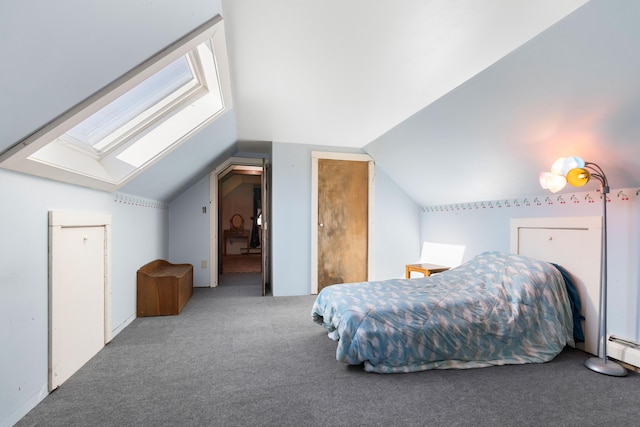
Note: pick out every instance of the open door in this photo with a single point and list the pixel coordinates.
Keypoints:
(265, 221)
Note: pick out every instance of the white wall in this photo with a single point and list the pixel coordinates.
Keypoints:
(487, 228)
(189, 231)
(396, 221)
(572, 90)
(139, 234)
(291, 219)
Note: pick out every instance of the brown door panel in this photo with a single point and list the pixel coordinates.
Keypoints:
(343, 194)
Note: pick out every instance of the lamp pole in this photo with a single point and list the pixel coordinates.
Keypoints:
(601, 364)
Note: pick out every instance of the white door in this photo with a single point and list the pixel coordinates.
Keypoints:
(573, 243)
(78, 319)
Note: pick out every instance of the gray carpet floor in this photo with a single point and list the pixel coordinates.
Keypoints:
(235, 358)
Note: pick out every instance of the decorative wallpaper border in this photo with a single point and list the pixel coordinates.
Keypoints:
(548, 200)
(128, 199)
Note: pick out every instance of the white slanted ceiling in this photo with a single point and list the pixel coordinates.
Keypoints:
(342, 73)
(456, 100)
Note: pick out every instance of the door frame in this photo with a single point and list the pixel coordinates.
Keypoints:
(63, 219)
(315, 156)
(214, 232)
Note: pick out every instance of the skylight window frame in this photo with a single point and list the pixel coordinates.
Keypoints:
(131, 128)
(40, 155)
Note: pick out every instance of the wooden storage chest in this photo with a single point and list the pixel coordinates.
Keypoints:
(163, 288)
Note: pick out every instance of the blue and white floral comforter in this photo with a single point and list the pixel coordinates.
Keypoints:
(495, 309)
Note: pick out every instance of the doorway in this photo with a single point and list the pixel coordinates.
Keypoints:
(342, 218)
(239, 224)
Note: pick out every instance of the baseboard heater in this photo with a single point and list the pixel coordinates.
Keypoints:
(624, 350)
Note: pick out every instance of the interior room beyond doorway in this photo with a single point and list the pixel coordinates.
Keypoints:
(239, 213)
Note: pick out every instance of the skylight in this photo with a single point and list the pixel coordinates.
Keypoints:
(95, 129)
(110, 137)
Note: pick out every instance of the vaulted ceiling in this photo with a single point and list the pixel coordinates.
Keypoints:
(343, 73)
(456, 100)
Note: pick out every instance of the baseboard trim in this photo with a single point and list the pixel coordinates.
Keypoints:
(123, 325)
(31, 402)
(624, 350)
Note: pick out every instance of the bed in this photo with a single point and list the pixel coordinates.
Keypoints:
(495, 309)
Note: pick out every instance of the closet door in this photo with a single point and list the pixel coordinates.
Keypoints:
(574, 243)
(78, 298)
(342, 218)
(343, 201)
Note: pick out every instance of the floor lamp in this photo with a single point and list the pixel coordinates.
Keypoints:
(577, 172)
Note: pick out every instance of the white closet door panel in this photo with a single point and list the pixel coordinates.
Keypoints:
(573, 243)
(77, 299)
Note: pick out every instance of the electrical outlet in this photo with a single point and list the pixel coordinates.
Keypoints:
(203, 264)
